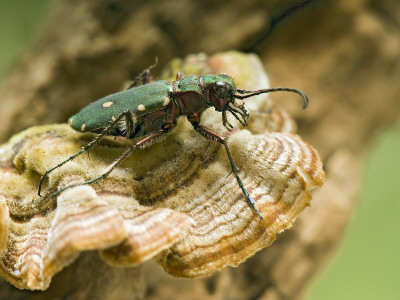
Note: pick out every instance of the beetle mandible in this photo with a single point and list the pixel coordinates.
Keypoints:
(150, 111)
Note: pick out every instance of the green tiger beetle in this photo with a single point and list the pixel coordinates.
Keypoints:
(150, 111)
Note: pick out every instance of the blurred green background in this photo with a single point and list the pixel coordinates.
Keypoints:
(367, 265)
(20, 21)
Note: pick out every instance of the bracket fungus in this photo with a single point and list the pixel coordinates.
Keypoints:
(175, 201)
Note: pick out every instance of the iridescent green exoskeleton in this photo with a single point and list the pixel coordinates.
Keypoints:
(151, 110)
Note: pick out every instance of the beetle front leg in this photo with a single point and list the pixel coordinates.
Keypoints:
(209, 134)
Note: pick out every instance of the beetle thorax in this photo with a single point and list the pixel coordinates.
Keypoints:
(188, 94)
(191, 103)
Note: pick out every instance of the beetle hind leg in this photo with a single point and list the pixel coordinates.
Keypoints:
(126, 114)
(144, 77)
(145, 142)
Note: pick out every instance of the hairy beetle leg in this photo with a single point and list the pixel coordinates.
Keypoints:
(84, 149)
(147, 141)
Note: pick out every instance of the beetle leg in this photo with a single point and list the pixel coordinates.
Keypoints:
(86, 148)
(178, 76)
(144, 77)
(225, 122)
(209, 134)
(145, 142)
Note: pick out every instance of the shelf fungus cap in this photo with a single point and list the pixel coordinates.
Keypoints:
(175, 201)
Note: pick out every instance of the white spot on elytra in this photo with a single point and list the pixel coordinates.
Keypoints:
(83, 127)
(166, 101)
(113, 118)
(141, 107)
(108, 104)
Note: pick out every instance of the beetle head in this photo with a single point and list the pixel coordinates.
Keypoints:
(221, 94)
(224, 96)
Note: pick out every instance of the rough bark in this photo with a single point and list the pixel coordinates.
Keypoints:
(345, 55)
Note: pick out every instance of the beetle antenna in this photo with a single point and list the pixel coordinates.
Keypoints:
(247, 94)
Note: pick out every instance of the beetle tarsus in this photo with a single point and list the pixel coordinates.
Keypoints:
(55, 167)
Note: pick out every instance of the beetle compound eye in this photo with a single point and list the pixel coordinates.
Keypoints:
(222, 89)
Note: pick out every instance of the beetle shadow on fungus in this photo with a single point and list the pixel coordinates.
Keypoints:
(187, 212)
